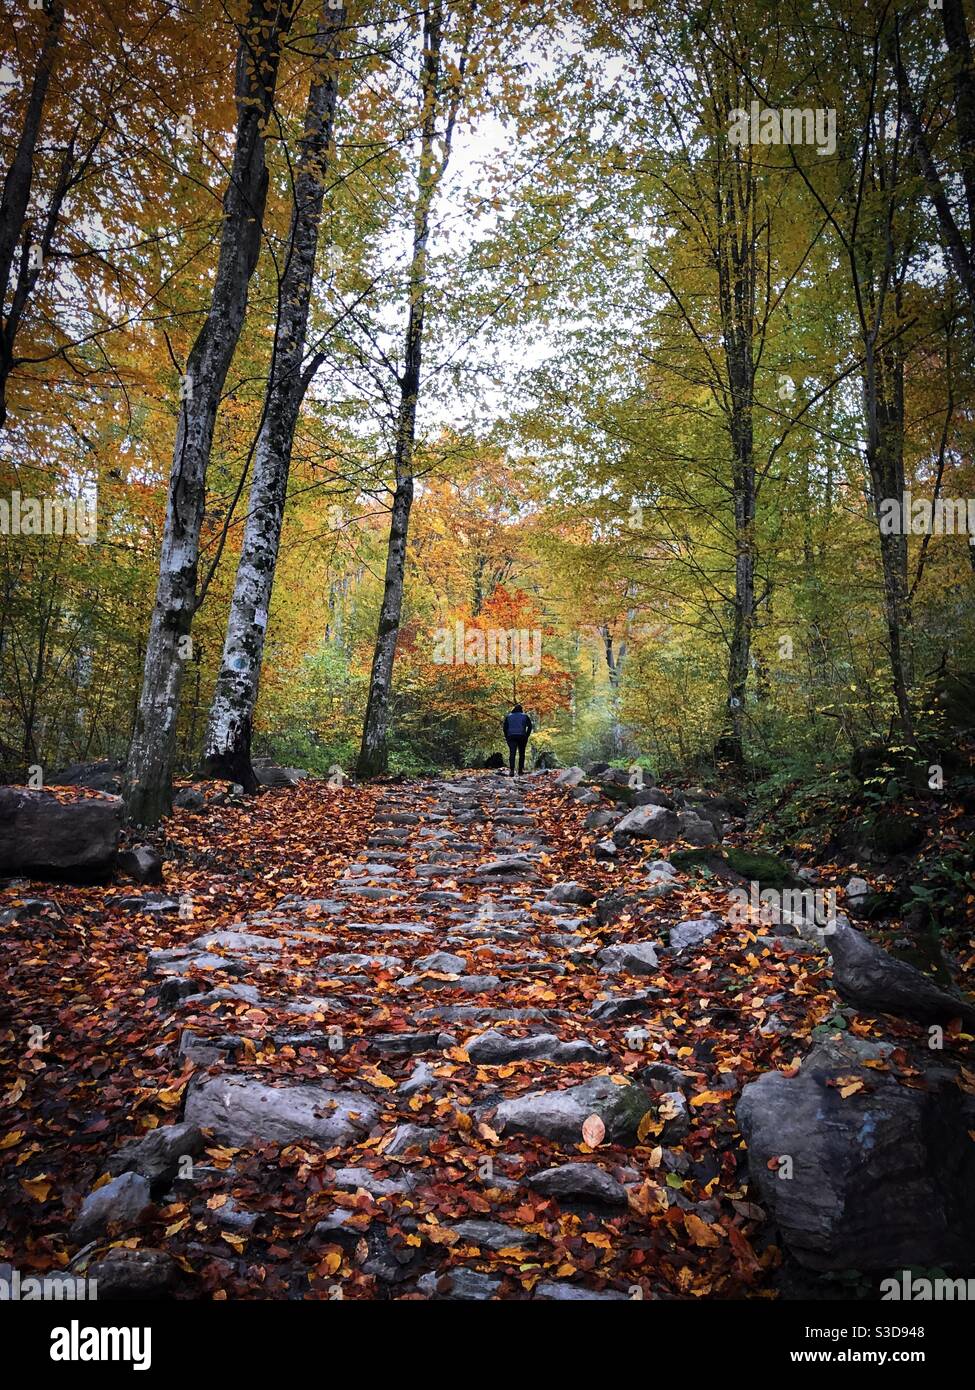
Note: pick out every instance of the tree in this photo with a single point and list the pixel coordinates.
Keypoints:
(149, 769)
(228, 737)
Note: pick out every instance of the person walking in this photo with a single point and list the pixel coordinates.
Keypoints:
(517, 728)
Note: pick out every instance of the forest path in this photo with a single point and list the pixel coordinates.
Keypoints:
(510, 1097)
(468, 1054)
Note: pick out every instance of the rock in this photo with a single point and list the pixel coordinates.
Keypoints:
(494, 1235)
(494, 1049)
(622, 1005)
(857, 891)
(459, 1284)
(647, 823)
(560, 1115)
(134, 1274)
(662, 1077)
(580, 1182)
(395, 1044)
(158, 1155)
(597, 819)
(556, 1292)
(141, 863)
(189, 799)
(421, 1079)
(30, 909)
(268, 774)
(352, 1179)
(695, 831)
(569, 777)
(206, 1050)
(570, 893)
(406, 1137)
(240, 1109)
(673, 1112)
(513, 865)
(44, 838)
(653, 796)
(867, 977)
(443, 962)
(880, 1179)
(247, 942)
(469, 984)
(104, 776)
(636, 958)
(605, 849)
(693, 932)
(661, 869)
(118, 1206)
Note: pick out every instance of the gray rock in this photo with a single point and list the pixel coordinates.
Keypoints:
(569, 777)
(240, 1109)
(421, 1079)
(466, 1285)
(142, 863)
(857, 890)
(605, 849)
(189, 799)
(647, 823)
(634, 958)
(867, 977)
(118, 1206)
(695, 831)
(596, 820)
(494, 1235)
(580, 1182)
(623, 1005)
(351, 1179)
(880, 1179)
(157, 1155)
(693, 932)
(444, 962)
(554, 1292)
(134, 1274)
(246, 942)
(406, 1137)
(559, 1115)
(398, 1044)
(494, 1049)
(41, 837)
(469, 984)
(570, 892)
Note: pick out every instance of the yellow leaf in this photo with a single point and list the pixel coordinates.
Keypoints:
(238, 1242)
(9, 1140)
(699, 1232)
(38, 1188)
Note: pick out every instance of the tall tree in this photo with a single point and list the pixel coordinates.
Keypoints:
(148, 777)
(439, 99)
(228, 737)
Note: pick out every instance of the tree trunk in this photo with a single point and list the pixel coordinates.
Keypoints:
(148, 776)
(883, 390)
(15, 198)
(227, 749)
(373, 751)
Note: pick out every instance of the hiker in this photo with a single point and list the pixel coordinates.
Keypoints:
(517, 729)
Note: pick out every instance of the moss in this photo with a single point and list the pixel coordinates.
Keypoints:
(767, 870)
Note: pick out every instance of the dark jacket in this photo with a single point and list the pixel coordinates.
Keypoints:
(517, 725)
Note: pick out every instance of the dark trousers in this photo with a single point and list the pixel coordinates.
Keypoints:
(517, 743)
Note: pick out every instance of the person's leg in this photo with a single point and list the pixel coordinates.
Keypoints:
(522, 745)
(511, 757)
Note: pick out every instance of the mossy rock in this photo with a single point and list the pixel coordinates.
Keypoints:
(893, 833)
(760, 866)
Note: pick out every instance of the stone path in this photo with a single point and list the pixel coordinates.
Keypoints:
(408, 1004)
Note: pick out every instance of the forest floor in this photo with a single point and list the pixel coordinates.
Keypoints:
(369, 936)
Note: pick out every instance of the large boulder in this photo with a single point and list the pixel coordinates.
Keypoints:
(560, 1115)
(695, 831)
(44, 838)
(879, 1178)
(867, 977)
(648, 823)
(103, 776)
(242, 1109)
